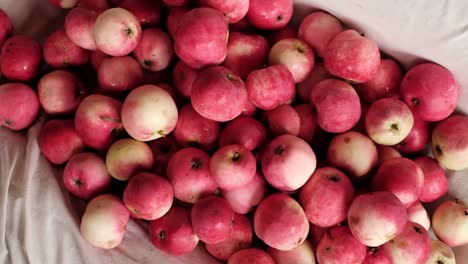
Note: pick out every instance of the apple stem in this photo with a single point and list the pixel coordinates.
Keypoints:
(394, 127)
(129, 31)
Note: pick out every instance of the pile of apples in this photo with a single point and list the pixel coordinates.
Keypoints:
(221, 122)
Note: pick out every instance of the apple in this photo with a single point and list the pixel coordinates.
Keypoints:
(117, 32)
(188, 170)
(176, 3)
(60, 92)
(436, 184)
(376, 218)
(249, 256)
(285, 32)
(79, 24)
(400, 176)
(317, 29)
(245, 131)
(308, 121)
(288, 229)
(85, 175)
(201, 37)
(351, 56)
(388, 121)
(377, 256)
(155, 50)
(450, 223)
(269, 87)
(97, 57)
(183, 77)
(316, 233)
(385, 153)
(149, 113)
(96, 5)
(326, 95)
(431, 91)
(296, 55)
(147, 12)
(449, 144)
(60, 51)
(412, 245)
(288, 162)
(218, 94)
(318, 74)
(418, 214)
(346, 151)
(192, 129)
(104, 221)
(240, 238)
(233, 10)
(173, 232)
(270, 15)
(119, 74)
(212, 219)
(440, 253)
(386, 82)
(20, 58)
(59, 141)
(304, 253)
(163, 149)
(6, 27)
(20, 106)
(127, 157)
(249, 109)
(339, 246)
(283, 120)
(148, 196)
(246, 53)
(244, 198)
(65, 4)
(326, 197)
(173, 19)
(418, 137)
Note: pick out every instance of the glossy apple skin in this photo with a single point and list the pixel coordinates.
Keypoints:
(20, 58)
(20, 106)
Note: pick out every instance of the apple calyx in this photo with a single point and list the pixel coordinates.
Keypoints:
(78, 182)
(196, 163)
(394, 127)
(148, 63)
(279, 150)
(334, 178)
(236, 156)
(129, 32)
(8, 122)
(162, 235)
(415, 101)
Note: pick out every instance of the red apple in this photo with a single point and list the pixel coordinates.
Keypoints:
(173, 19)
(249, 256)
(65, 4)
(79, 25)
(304, 253)
(96, 5)
(97, 57)
(376, 256)
(339, 246)
(174, 3)
(60, 51)
(6, 27)
(450, 223)
(316, 234)
(86, 175)
(284, 33)
(119, 74)
(20, 58)
(183, 77)
(20, 106)
(155, 50)
(163, 149)
(385, 153)
(418, 137)
(147, 12)
(245, 131)
(436, 184)
(283, 120)
(418, 214)
(270, 15)
(233, 10)
(58, 140)
(318, 74)
(244, 198)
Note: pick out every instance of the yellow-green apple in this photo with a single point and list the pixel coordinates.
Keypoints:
(440, 253)
(233, 10)
(436, 184)
(274, 14)
(6, 27)
(249, 256)
(304, 253)
(147, 12)
(245, 198)
(60, 51)
(20, 58)
(155, 50)
(283, 120)
(119, 74)
(183, 77)
(339, 245)
(418, 214)
(318, 74)
(79, 24)
(450, 222)
(20, 106)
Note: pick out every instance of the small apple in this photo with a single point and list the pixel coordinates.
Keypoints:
(270, 15)
(79, 25)
(155, 50)
(20, 106)
(418, 214)
(249, 256)
(20, 58)
(418, 137)
(233, 10)
(450, 223)
(436, 184)
(283, 120)
(339, 246)
(244, 198)
(119, 74)
(61, 52)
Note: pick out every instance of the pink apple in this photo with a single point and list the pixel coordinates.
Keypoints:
(79, 25)
(117, 32)
(317, 29)
(347, 151)
(127, 157)
(283, 120)
(65, 4)
(386, 82)
(286, 32)
(96, 5)
(389, 121)
(318, 74)
(270, 15)
(249, 256)
(201, 38)
(60, 51)
(212, 219)
(155, 50)
(246, 53)
(245, 131)
(233, 10)
(249, 109)
(385, 153)
(86, 175)
(431, 91)
(175, 3)
(412, 245)
(418, 137)
(441, 253)
(192, 129)
(148, 196)
(173, 232)
(436, 184)
(149, 113)
(20, 58)
(173, 19)
(351, 56)
(119, 74)
(60, 92)
(6, 27)
(376, 256)
(308, 121)
(183, 78)
(20, 106)
(241, 26)
(288, 162)
(290, 226)
(450, 223)
(304, 253)
(59, 141)
(104, 221)
(326, 197)
(147, 12)
(449, 144)
(376, 218)
(243, 199)
(418, 214)
(218, 94)
(240, 238)
(163, 149)
(188, 170)
(97, 57)
(269, 87)
(326, 95)
(339, 246)
(97, 121)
